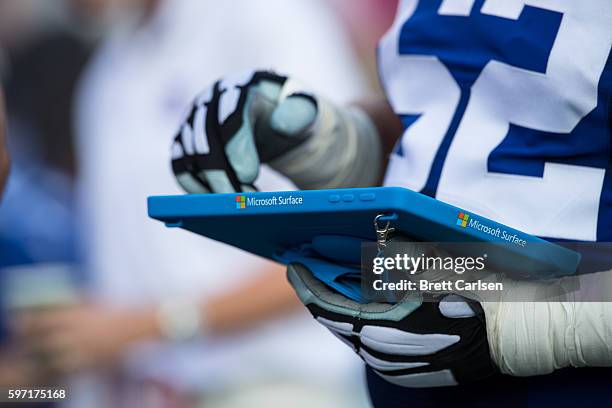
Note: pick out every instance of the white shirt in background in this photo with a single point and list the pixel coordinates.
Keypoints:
(130, 103)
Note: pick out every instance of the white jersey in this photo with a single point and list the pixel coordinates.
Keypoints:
(506, 105)
(130, 103)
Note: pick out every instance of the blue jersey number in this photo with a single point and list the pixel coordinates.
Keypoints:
(503, 108)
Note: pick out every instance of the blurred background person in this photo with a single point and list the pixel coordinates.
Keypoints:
(8, 368)
(171, 318)
(40, 60)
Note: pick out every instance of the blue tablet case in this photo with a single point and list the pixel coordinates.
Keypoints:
(271, 223)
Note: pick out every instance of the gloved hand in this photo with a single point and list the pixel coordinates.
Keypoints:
(410, 343)
(262, 117)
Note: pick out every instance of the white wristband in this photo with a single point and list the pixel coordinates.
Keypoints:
(180, 320)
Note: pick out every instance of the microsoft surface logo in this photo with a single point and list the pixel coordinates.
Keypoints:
(462, 219)
(240, 202)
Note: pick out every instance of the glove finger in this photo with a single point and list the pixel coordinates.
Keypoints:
(199, 135)
(181, 165)
(236, 127)
(455, 307)
(441, 378)
(245, 101)
(191, 184)
(344, 331)
(242, 156)
(233, 95)
(390, 340)
(210, 164)
(380, 364)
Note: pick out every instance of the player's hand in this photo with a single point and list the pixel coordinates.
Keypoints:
(411, 344)
(73, 338)
(235, 125)
(4, 157)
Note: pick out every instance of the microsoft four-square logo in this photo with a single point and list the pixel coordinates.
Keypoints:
(462, 219)
(240, 202)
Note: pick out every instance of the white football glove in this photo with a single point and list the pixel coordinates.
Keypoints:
(262, 117)
(416, 342)
(411, 343)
